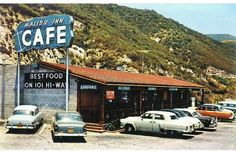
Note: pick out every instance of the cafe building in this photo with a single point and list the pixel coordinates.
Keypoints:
(102, 96)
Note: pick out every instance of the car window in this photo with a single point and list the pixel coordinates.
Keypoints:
(68, 117)
(159, 117)
(147, 116)
(201, 108)
(23, 112)
(173, 117)
(211, 108)
(36, 111)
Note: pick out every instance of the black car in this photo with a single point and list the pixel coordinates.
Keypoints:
(208, 121)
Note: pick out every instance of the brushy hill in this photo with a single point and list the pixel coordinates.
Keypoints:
(221, 37)
(110, 35)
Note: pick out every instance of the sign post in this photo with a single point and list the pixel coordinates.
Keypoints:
(53, 31)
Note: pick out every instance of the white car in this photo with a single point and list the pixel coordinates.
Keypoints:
(25, 117)
(156, 122)
(197, 124)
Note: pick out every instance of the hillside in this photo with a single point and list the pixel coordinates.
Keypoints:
(221, 37)
(107, 36)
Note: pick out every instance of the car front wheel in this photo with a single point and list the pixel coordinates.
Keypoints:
(129, 128)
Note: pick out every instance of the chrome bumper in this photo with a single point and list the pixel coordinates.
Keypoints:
(60, 134)
(20, 127)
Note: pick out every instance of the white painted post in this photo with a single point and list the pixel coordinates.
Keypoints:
(67, 80)
(18, 78)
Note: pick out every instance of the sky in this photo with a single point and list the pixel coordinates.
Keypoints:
(204, 18)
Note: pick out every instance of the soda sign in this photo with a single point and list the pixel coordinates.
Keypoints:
(52, 31)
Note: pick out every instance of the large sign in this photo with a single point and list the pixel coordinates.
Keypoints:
(47, 80)
(52, 31)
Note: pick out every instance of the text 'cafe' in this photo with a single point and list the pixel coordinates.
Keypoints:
(101, 96)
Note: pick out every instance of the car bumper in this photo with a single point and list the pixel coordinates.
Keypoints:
(20, 127)
(213, 125)
(70, 134)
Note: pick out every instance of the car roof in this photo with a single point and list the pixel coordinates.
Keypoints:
(69, 112)
(186, 109)
(26, 107)
(160, 112)
(228, 102)
(211, 104)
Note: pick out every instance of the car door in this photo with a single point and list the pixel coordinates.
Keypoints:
(202, 110)
(158, 123)
(145, 123)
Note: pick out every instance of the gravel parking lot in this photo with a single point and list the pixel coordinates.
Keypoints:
(221, 138)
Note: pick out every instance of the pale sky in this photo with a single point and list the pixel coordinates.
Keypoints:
(204, 18)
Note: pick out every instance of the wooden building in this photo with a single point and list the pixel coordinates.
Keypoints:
(107, 95)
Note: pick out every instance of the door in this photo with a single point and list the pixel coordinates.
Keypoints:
(145, 123)
(88, 105)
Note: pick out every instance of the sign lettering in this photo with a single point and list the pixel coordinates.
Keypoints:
(47, 80)
(88, 87)
(44, 32)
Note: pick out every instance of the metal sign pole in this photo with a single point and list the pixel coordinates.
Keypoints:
(67, 79)
(18, 79)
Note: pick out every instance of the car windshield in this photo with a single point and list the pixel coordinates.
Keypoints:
(196, 114)
(182, 113)
(23, 112)
(173, 117)
(231, 105)
(70, 117)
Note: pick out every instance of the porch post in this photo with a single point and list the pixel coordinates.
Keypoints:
(101, 111)
(202, 92)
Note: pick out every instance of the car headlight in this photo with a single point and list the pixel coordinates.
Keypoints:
(55, 127)
(84, 129)
(186, 128)
(212, 121)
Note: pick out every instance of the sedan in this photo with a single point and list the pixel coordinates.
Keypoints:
(215, 111)
(208, 121)
(25, 117)
(197, 124)
(156, 122)
(68, 124)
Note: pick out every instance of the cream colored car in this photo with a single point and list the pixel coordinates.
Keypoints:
(156, 122)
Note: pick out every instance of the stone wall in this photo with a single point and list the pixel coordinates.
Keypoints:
(10, 89)
(48, 100)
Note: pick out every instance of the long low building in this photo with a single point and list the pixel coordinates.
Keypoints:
(101, 96)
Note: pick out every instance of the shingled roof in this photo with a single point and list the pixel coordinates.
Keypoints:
(113, 77)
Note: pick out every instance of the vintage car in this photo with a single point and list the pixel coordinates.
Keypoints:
(197, 124)
(156, 122)
(215, 110)
(68, 124)
(208, 121)
(229, 104)
(25, 117)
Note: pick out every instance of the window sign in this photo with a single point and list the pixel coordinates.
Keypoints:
(152, 88)
(110, 95)
(123, 88)
(173, 89)
(52, 31)
(88, 87)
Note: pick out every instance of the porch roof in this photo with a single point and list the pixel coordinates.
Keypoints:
(113, 77)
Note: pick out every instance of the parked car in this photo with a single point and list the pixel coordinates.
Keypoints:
(156, 122)
(215, 110)
(229, 104)
(68, 124)
(25, 117)
(208, 121)
(197, 124)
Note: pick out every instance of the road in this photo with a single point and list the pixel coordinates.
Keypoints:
(223, 138)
